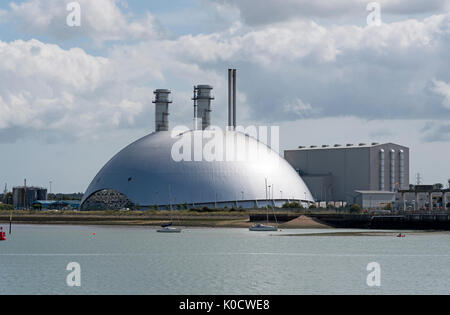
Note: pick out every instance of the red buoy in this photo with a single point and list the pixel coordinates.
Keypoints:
(2, 235)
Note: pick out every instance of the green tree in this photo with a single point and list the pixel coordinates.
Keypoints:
(6, 207)
(8, 198)
(292, 205)
(355, 208)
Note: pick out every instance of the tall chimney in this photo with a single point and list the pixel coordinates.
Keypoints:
(162, 101)
(234, 99)
(230, 97)
(202, 102)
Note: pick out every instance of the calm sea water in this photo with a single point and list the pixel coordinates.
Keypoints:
(218, 261)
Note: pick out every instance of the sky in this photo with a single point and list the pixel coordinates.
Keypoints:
(73, 96)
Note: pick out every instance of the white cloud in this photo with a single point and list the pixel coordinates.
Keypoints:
(286, 42)
(70, 93)
(369, 72)
(299, 110)
(47, 88)
(436, 131)
(102, 20)
(263, 12)
(443, 89)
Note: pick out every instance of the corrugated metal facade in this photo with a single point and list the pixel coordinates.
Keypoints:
(345, 169)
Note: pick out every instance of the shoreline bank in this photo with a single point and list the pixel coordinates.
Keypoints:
(209, 220)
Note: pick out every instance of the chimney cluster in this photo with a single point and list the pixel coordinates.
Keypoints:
(202, 105)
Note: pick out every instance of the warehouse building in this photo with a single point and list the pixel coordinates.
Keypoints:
(343, 173)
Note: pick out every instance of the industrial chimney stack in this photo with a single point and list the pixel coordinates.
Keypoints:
(232, 99)
(162, 101)
(202, 105)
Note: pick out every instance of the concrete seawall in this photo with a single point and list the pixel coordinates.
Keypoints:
(399, 222)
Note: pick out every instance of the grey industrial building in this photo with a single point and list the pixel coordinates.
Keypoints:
(23, 197)
(374, 199)
(345, 172)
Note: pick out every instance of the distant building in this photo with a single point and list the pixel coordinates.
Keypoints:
(337, 173)
(370, 200)
(23, 197)
(56, 205)
(71, 196)
(424, 197)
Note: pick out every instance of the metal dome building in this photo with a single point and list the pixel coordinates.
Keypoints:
(146, 174)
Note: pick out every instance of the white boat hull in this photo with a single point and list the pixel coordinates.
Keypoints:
(169, 230)
(263, 228)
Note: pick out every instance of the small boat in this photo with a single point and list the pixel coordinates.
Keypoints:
(169, 229)
(263, 228)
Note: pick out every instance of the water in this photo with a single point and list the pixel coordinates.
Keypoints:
(121, 260)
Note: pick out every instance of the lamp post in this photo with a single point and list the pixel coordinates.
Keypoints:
(170, 200)
(266, 188)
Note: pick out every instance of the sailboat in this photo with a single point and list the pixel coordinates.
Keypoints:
(169, 228)
(263, 227)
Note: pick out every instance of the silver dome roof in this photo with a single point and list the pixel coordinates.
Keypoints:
(146, 173)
